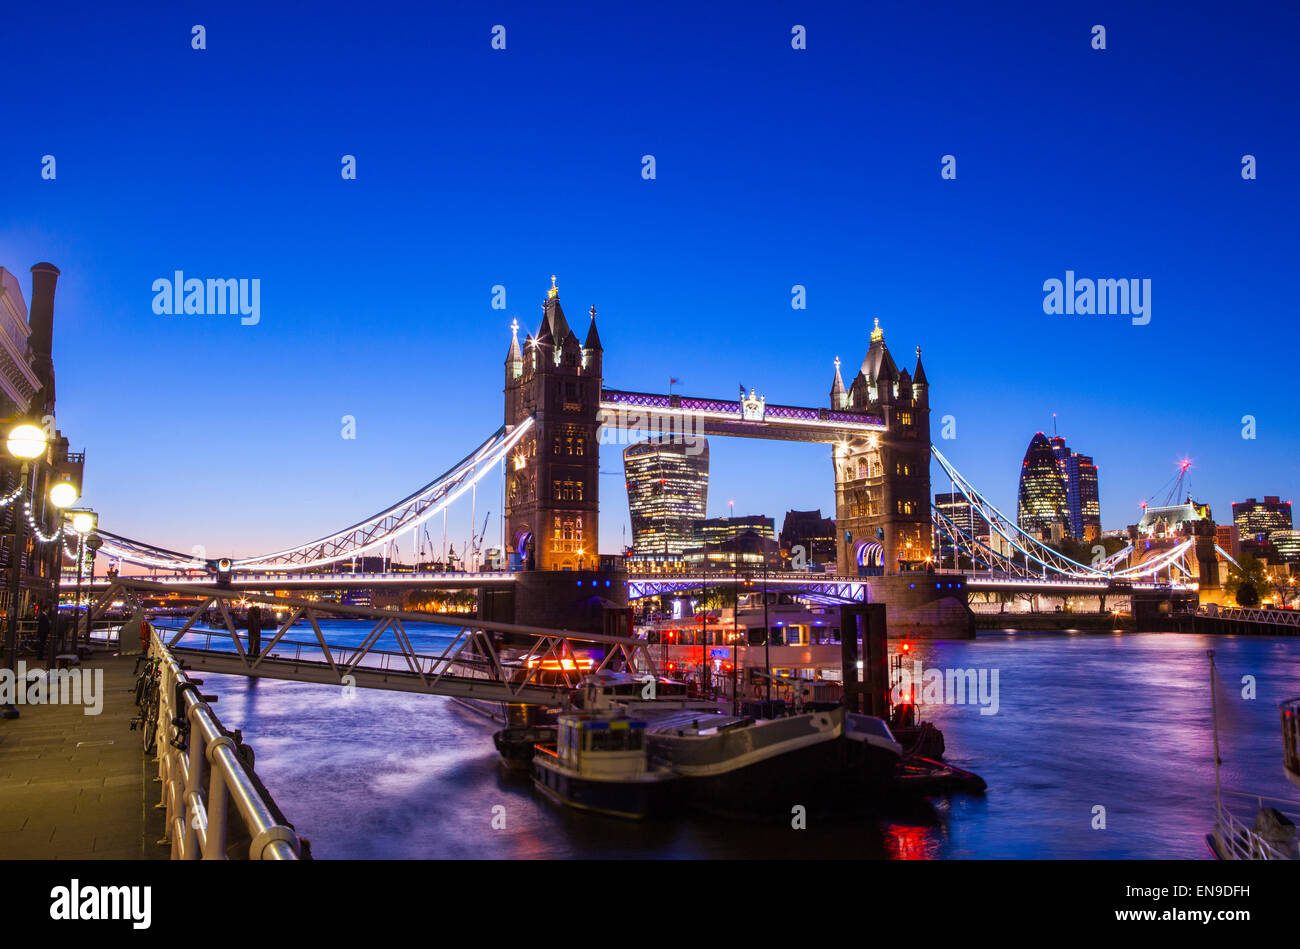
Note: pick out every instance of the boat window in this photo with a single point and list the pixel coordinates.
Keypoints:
(615, 739)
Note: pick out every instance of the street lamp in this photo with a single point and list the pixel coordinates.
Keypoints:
(25, 442)
(64, 494)
(83, 523)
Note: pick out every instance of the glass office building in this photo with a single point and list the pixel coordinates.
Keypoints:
(667, 492)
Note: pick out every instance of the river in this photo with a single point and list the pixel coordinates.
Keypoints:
(1119, 721)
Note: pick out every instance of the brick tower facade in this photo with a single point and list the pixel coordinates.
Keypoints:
(882, 482)
(553, 477)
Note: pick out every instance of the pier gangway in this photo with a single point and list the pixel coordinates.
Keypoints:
(488, 661)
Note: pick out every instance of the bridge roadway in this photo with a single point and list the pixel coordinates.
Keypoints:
(822, 586)
(689, 416)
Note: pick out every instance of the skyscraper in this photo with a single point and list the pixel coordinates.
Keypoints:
(1082, 500)
(1257, 520)
(1042, 498)
(667, 492)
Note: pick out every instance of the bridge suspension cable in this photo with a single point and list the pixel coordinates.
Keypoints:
(145, 555)
(369, 534)
(403, 516)
(1028, 546)
(985, 555)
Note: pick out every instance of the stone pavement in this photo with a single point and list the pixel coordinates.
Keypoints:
(79, 786)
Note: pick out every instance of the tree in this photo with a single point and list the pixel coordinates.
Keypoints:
(1246, 579)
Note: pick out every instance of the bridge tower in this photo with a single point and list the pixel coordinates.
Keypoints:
(882, 481)
(552, 480)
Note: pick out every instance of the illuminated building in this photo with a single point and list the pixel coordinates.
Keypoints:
(962, 513)
(1257, 520)
(1170, 520)
(1043, 502)
(1225, 536)
(27, 390)
(1287, 544)
(552, 479)
(667, 492)
(1082, 500)
(744, 541)
(809, 530)
(882, 483)
(717, 530)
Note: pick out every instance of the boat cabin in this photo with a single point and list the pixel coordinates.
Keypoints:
(607, 690)
(601, 745)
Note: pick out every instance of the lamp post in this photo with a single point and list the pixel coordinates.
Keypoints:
(767, 641)
(83, 522)
(93, 543)
(25, 442)
(704, 602)
(62, 494)
(735, 637)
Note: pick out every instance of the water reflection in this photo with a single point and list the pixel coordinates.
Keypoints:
(1085, 720)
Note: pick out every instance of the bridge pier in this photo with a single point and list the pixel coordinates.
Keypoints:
(924, 605)
(584, 601)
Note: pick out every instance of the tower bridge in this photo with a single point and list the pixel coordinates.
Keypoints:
(557, 413)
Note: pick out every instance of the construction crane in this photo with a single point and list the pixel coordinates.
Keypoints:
(476, 543)
(1179, 479)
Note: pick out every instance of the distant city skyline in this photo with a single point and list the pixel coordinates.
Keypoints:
(774, 171)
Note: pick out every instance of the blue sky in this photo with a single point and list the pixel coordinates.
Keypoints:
(775, 167)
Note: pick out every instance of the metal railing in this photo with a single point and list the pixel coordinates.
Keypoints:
(201, 777)
(1240, 840)
(1255, 615)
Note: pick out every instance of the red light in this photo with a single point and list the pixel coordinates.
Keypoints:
(906, 647)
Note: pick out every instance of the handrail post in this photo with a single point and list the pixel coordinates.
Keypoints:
(193, 797)
(214, 847)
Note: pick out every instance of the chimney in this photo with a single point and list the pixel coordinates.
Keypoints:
(41, 337)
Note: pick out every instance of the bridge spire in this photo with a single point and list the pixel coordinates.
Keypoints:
(514, 358)
(593, 338)
(838, 396)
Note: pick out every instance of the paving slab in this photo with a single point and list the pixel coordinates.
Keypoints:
(78, 786)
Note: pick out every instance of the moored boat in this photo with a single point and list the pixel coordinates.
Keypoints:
(747, 766)
(600, 763)
(518, 743)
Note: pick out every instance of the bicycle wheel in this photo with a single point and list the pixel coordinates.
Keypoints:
(149, 734)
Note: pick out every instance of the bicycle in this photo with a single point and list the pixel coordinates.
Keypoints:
(141, 678)
(146, 697)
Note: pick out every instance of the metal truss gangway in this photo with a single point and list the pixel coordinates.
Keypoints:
(488, 661)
